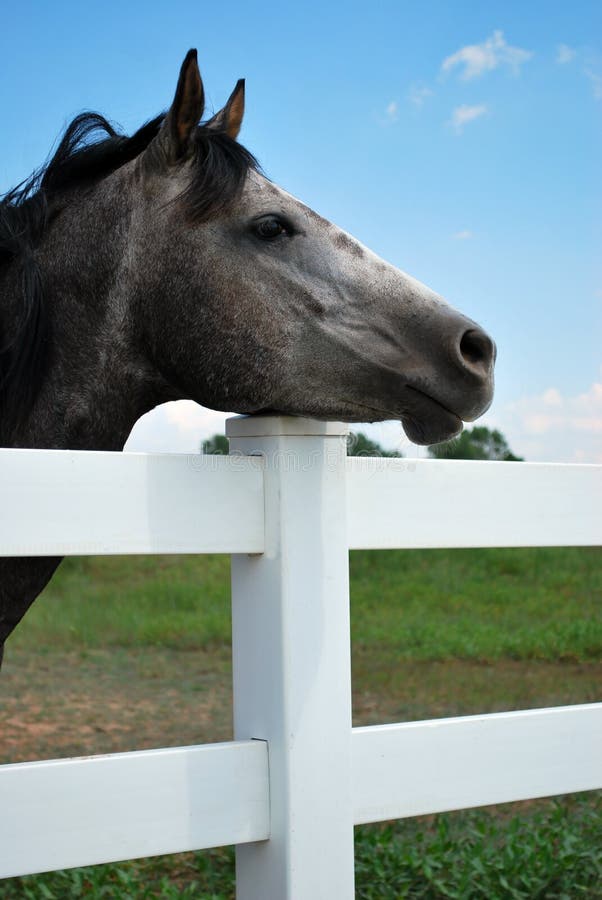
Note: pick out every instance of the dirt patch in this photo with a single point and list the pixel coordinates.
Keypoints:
(387, 690)
(71, 704)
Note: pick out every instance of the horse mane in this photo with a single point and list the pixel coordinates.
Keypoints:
(89, 150)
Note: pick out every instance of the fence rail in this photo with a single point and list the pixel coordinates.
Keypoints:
(62, 502)
(456, 503)
(77, 503)
(77, 812)
(287, 791)
(445, 764)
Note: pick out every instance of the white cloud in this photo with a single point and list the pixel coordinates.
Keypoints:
(418, 93)
(392, 111)
(465, 235)
(595, 80)
(555, 427)
(175, 427)
(565, 54)
(552, 397)
(476, 59)
(464, 114)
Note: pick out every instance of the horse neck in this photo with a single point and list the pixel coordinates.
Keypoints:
(98, 381)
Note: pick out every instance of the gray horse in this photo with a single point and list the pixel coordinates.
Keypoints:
(137, 270)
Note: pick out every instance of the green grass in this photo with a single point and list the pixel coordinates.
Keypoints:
(550, 853)
(178, 602)
(554, 853)
(430, 604)
(540, 603)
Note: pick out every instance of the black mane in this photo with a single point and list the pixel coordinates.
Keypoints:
(89, 150)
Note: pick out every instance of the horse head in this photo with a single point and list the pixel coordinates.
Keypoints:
(250, 301)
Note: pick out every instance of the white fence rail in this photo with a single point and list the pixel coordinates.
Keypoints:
(62, 503)
(288, 505)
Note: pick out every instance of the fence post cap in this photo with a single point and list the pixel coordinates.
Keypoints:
(267, 425)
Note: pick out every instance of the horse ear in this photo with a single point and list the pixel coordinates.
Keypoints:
(229, 119)
(172, 143)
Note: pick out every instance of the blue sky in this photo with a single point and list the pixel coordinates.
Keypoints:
(460, 140)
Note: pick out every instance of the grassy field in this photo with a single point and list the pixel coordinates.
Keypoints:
(430, 604)
(127, 653)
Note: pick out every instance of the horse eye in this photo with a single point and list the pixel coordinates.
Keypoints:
(269, 228)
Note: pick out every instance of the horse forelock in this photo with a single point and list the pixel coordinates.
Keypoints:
(220, 168)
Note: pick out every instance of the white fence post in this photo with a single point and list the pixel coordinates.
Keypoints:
(291, 660)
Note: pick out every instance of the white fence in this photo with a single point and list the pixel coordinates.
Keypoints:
(288, 790)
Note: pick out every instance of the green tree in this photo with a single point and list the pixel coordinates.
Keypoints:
(360, 445)
(218, 444)
(479, 442)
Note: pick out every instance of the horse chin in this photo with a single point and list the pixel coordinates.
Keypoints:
(432, 431)
(427, 421)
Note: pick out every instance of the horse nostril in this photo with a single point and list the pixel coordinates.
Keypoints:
(477, 350)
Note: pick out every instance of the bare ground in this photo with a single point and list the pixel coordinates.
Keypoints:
(70, 704)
